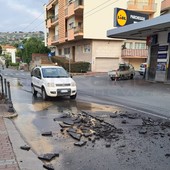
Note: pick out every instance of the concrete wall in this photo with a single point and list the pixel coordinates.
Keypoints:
(98, 17)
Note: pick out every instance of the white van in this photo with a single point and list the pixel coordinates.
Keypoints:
(52, 81)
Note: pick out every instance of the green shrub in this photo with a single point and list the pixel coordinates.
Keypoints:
(14, 64)
(75, 67)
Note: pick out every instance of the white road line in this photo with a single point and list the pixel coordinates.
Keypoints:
(148, 113)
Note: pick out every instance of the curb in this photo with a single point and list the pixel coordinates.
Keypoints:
(10, 116)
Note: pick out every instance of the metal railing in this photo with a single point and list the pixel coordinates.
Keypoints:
(78, 30)
(143, 53)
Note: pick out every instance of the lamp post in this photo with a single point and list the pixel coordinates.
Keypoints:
(21, 47)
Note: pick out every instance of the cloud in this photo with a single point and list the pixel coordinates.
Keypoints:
(21, 15)
(22, 8)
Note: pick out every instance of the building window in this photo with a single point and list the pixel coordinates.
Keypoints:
(66, 51)
(71, 25)
(139, 45)
(128, 45)
(87, 48)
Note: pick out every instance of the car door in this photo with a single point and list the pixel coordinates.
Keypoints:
(37, 80)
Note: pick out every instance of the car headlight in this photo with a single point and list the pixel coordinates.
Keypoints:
(73, 83)
(50, 85)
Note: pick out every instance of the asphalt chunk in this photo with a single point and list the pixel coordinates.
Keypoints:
(25, 147)
(81, 143)
(48, 156)
(48, 166)
(47, 133)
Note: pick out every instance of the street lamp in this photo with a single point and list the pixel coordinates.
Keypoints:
(21, 47)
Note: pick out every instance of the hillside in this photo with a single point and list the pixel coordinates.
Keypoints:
(17, 37)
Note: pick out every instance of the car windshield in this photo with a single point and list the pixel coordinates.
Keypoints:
(54, 73)
(123, 67)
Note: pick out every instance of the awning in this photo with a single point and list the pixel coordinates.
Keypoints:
(141, 30)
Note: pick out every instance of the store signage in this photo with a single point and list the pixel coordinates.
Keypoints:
(124, 17)
(163, 48)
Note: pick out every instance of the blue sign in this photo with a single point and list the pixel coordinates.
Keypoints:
(49, 55)
(21, 47)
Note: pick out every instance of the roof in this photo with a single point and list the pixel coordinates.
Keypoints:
(141, 30)
(8, 47)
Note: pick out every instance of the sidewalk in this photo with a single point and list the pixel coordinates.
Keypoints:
(7, 156)
(12, 157)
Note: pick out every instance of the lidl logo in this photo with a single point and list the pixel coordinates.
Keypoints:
(121, 17)
(124, 17)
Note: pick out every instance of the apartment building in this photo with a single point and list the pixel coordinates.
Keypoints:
(77, 29)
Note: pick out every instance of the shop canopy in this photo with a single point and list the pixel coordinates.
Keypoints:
(141, 30)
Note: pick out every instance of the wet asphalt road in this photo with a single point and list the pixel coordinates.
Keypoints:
(140, 146)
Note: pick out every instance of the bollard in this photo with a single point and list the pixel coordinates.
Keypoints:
(5, 84)
(2, 85)
(11, 109)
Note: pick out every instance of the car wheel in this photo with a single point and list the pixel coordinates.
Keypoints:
(44, 94)
(112, 78)
(34, 92)
(131, 76)
(73, 97)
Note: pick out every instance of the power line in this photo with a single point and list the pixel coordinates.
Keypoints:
(38, 25)
(101, 8)
(97, 7)
(85, 13)
(32, 21)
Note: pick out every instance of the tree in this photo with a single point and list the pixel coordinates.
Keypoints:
(32, 45)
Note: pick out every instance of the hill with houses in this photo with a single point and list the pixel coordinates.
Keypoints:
(17, 37)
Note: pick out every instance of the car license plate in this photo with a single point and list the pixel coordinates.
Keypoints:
(64, 91)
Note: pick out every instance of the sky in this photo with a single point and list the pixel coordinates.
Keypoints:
(22, 15)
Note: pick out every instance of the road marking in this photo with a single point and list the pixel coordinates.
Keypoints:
(152, 114)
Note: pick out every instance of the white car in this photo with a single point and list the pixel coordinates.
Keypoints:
(52, 81)
(142, 68)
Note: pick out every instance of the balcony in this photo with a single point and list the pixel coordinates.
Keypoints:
(165, 5)
(78, 32)
(49, 41)
(134, 53)
(49, 23)
(78, 7)
(75, 8)
(55, 40)
(55, 20)
(51, 4)
(148, 8)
